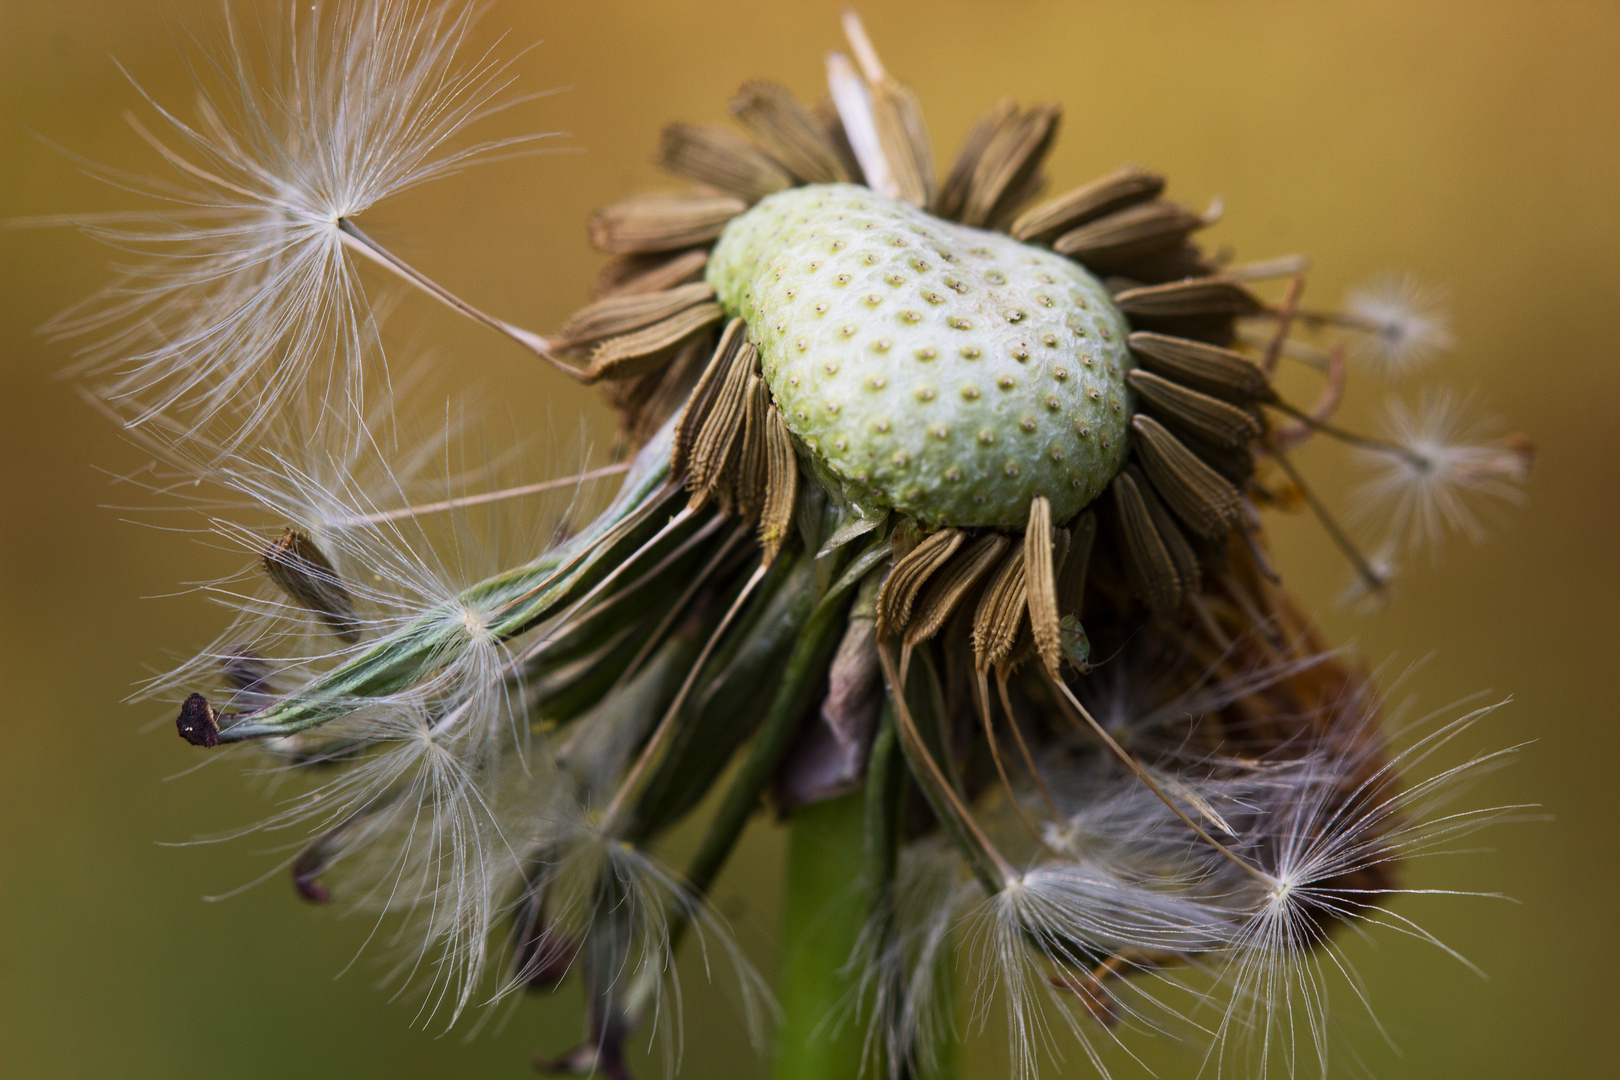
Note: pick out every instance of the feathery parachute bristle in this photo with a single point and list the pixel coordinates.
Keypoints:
(252, 287)
(1440, 462)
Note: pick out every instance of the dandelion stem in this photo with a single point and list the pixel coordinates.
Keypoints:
(1365, 442)
(822, 913)
(1374, 581)
(1023, 749)
(362, 244)
(982, 702)
(481, 498)
(1314, 317)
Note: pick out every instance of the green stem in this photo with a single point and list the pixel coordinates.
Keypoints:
(823, 909)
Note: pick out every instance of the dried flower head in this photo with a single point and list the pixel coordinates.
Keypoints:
(933, 497)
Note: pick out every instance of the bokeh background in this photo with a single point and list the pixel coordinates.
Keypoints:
(1476, 144)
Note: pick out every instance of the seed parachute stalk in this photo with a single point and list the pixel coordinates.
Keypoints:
(935, 523)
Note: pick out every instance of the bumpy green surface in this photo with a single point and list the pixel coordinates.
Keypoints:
(946, 372)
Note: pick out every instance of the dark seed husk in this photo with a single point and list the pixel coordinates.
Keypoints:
(1105, 195)
(722, 159)
(649, 223)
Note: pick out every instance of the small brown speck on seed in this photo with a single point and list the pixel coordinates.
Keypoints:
(880, 426)
(1049, 339)
(821, 308)
(996, 277)
(900, 461)
(1084, 431)
(1020, 353)
(848, 329)
(874, 299)
(1006, 382)
(911, 316)
(842, 279)
(954, 475)
(878, 382)
(833, 406)
(934, 297)
(987, 436)
(1011, 468)
(882, 344)
(1053, 403)
(1015, 315)
(940, 431)
(1027, 423)
(970, 352)
(970, 392)
(840, 444)
(831, 367)
(1060, 373)
(925, 393)
(1057, 453)
(927, 352)
(802, 344)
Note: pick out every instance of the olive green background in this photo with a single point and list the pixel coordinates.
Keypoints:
(1477, 144)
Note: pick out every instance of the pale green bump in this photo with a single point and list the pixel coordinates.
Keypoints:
(946, 372)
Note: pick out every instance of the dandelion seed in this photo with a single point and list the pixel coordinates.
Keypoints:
(1442, 463)
(251, 288)
(1330, 829)
(1404, 327)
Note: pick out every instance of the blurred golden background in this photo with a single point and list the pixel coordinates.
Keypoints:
(1476, 144)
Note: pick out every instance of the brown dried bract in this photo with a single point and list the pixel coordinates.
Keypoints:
(650, 223)
(721, 159)
(297, 564)
(1105, 195)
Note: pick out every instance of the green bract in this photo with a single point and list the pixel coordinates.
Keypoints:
(946, 372)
